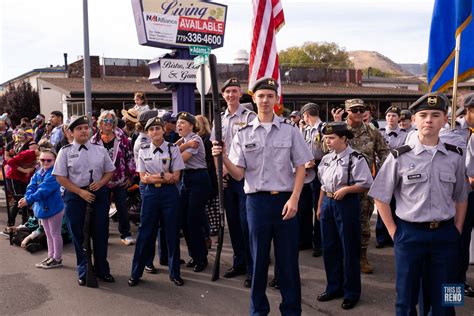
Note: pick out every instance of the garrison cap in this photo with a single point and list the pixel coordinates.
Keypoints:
(295, 114)
(169, 117)
(153, 122)
(80, 120)
(431, 101)
(352, 103)
(405, 115)
(146, 115)
(468, 101)
(265, 83)
(393, 109)
(232, 82)
(309, 106)
(338, 128)
(187, 117)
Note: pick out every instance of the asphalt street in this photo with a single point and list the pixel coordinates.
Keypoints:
(27, 290)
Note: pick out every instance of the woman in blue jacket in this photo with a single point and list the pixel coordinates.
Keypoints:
(44, 194)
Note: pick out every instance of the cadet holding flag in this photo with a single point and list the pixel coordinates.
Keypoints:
(427, 178)
(263, 152)
(72, 171)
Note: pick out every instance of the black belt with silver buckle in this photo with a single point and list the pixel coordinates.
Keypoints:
(435, 224)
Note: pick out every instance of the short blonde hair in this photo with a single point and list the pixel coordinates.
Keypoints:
(104, 114)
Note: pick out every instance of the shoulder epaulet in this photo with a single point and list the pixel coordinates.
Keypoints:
(456, 149)
(397, 152)
(287, 121)
(244, 127)
(171, 145)
(245, 111)
(382, 129)
(66, 146)
(143, 146)
(403, 130)
(222, 113)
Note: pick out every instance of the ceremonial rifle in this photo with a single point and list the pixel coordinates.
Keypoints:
(220, 181)
(91, 279)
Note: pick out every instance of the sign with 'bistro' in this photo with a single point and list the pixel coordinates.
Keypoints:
(178, 71)
(171, 23)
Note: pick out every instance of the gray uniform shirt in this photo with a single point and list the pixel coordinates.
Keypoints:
(231, 123)
(155, 160)
(75, 164)
(268, 158)
(459, 136)
(470, 158)
(394, 138)
(141, 140)
(333, 170)
(312, 136)
(198, 158)
(425, 185)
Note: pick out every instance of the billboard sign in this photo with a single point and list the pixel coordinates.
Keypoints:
(172, 23)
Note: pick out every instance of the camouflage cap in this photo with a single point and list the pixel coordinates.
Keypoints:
(431, 101)
(352, 103)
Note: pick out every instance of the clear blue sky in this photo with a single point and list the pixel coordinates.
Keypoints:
(35, 34)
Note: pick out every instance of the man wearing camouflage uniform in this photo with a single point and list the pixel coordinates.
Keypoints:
(368, 141)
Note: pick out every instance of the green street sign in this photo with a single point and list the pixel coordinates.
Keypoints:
(199, 50)
(201, 59)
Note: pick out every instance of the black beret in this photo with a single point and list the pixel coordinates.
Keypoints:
(146, 115)
(338, 128)
(431, 101)
(80, 120)
(393, 109)
(405, 115)
(265, 83)
(187, 117)
(232, 82)
(154, 121)
(468, 101)
(309, 106)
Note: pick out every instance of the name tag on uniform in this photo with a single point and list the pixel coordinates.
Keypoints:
(74, 156)
(147, 159)
(250, 145)
(239, 123)
(414, 176)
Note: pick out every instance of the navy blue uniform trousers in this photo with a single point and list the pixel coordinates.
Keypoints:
(159, 209)
(431, 253)
(236, 214)
(266, 224)
(75, 209)
(195, 192)
(340, 228)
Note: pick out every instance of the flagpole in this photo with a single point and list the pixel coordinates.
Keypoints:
(455, 81)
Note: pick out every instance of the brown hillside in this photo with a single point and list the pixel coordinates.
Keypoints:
(363, 59)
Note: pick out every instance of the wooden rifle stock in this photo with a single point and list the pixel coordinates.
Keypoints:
(220, 181)
(91, 279)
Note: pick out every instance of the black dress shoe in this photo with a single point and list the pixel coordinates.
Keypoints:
(108, 278)
(348, 304)
(468, 290)
(379, 245)
(177, 281)
(191, 263)
(317, 253)
(200, 266)
(181, 261)
(151, 269)
(132, 281)
(81, 281)
(324, 297)
(233, 272)
(274, 283)
(248, 281)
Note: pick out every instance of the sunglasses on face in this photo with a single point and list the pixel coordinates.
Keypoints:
(106, 120)
(45, 160)
(357, 110)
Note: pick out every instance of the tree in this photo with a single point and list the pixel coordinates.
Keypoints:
(20, 101)
(319, 55)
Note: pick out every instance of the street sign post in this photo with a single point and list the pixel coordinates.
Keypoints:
(201, 59)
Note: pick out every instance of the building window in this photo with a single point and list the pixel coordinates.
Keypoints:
(76, 108)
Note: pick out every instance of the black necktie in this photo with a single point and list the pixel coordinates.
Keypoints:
(157, 149)
(83, 147)
(393, 134)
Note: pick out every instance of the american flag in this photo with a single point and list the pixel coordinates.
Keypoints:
(268, 18)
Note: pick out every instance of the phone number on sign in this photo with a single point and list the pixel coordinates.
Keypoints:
(198, 38)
